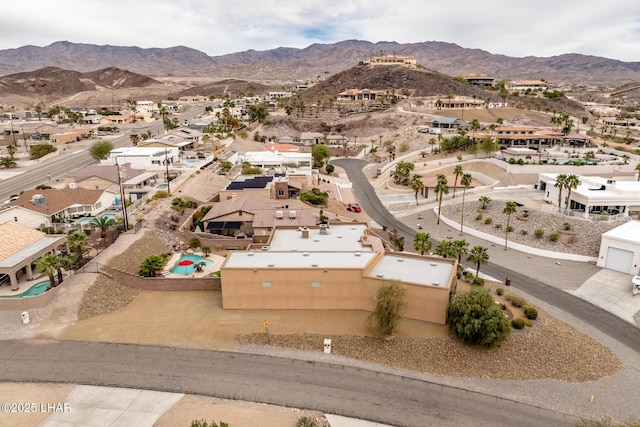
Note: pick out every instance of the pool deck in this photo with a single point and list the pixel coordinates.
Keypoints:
(24, 285)
(217, 262)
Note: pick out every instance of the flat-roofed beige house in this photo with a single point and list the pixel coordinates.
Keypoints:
(334, 267)
(20, 247)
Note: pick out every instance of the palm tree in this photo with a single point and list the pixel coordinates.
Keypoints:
(446, 249)
(11, 149)
(485, 201)
(417, 185)
(7, 162)
(77, 241)
(559, 184)
(638, 169)
(571, 182)
(457, 171)
(206, 250)
(422, 243)
(478, 255)
(47, 265)
(509, 209)
(151, 266)
(104, 223)
(60, 264)
(441, 189)
(465, 181)
(461, 247)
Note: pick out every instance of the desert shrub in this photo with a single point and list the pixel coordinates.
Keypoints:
(194, 243)
(390, 303)
(404, 146)
(524, 232)
(315, 196)
(488, 220)
(509, 297)
(516, 301)
(500, 291)
(538, 233)
(499, 226)
(161, 195)
(520, 162)
(510, 229)
(329, 168)
(528, 323)
(553, 237)
(479, 217)
(468, 276)
(512, 161)
(478, 281)
(566, 226)
(503, 306)
(531, 313)
(307, 422)
(517, 323)
(203, 423)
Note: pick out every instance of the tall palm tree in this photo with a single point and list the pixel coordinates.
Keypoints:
(638, 169)
(461, 247)
(457, 171)
(417, 185)
(422, 243)
(104, 223)
(509, 209)
(478, 255)
(465, 181)
(571, 182)
(77, 241)
(47, 265)
(559, 184)
(60, 264)
(441, 189)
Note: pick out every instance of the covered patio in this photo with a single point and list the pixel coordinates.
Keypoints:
(20, 247)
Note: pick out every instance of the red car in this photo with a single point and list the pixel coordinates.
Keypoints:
(354, 208)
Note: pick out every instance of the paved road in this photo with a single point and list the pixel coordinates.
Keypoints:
(326, 387)
(602, 320)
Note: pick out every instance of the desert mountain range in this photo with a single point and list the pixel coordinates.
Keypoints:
(282, 64)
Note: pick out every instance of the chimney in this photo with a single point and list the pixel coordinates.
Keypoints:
(234, 197)
(305, 233)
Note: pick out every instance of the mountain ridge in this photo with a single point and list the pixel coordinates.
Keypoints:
(288, 63)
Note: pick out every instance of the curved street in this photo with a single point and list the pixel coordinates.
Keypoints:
(602, 320)
(332, 388)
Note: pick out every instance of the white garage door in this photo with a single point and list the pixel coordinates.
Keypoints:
(619, 260)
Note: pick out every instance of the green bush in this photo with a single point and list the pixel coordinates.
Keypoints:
(475, 319)
(553, 237)
(538, 233)
(479, 217)
(194, 243)
(500, 291)
(307, 422)
(498, 226)
(566, 226)
(524, 232)
(531, 313)
(203, 423)
(520, 162)
(468, 276)
(510, 229)
(517, 323)
(528, 322)
(512, 161)
(478, 281)
(329, 168)
(161, 195)
(509, 297)
(488, 220)
(315, 197)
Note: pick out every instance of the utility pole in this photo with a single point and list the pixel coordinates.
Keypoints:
(166, 163)
(124, 203)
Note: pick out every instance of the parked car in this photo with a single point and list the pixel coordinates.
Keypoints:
(354, 208)
(636, 284)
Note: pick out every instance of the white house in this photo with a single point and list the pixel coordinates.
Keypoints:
(620, 248)
(292, 163)
(146, 158)
(594, 195)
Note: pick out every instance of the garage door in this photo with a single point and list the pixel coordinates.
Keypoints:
(619, 260)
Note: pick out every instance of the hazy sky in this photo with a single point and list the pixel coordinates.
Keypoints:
(518, 28)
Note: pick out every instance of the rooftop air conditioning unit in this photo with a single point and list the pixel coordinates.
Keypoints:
(38, 200)
(73, 185)
(279, 214)
(292, 214)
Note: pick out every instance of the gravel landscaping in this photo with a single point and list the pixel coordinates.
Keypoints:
(582, 238)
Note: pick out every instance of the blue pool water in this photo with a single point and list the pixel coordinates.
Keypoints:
(189, 269)
(85, 221)
(37, 289)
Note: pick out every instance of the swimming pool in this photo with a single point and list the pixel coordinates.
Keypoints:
(87, 221)
(37, 289)
(187, 270)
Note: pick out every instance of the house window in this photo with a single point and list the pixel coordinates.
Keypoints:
(266, 284)
(280, 192)
(315, 284)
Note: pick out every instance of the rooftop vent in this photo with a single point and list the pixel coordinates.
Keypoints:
(400, 259)
(314, 265)
(433, 264)
(271, 265)
(250, 254)
(436, 283)
(264, 248)
(357, 254)
(323, 229)
(38, 200)
(380, 275)
(305, 254)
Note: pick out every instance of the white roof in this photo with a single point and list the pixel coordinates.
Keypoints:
(298, 259)
(339, 238)
(627, 232)
(422, 271)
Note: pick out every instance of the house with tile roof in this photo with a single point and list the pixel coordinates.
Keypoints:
(41, 208)
(20, 247)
